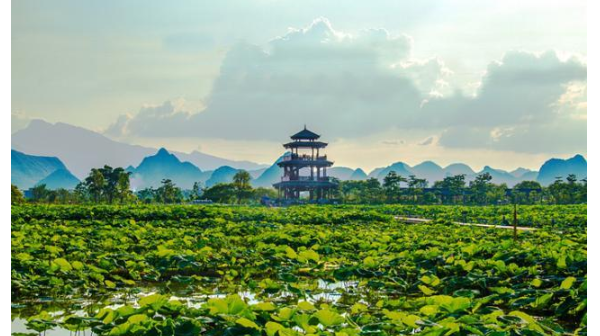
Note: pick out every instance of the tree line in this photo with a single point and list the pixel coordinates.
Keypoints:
(455, 190)
(109, 185)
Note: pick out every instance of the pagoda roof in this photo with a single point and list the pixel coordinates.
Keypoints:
(305, 144)
(305, 134)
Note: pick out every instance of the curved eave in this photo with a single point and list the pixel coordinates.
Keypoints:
(305, 163)
(305, 144)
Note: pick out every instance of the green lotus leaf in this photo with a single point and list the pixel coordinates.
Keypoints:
(567, 282)
(244, 322)
(329, 318)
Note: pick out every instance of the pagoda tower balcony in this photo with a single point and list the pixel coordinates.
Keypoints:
(317, 183)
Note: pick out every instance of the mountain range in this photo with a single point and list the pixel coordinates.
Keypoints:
(554, 168)
(153, 169)
(83, 149)
(30, 170)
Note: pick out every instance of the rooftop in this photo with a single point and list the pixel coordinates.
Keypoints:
(305, 134)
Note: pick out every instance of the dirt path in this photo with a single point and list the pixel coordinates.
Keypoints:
(412, 220)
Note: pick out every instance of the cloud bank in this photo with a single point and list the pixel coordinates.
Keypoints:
(355, 85)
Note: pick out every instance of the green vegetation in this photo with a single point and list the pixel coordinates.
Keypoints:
(323, 270)
(16, 196)
(454, 190)
(107, 186)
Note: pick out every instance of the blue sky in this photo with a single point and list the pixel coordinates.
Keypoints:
(483, 82)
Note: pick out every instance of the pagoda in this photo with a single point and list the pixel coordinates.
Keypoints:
(304, 169)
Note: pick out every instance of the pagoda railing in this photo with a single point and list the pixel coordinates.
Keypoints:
(306, 178)
(305, 157)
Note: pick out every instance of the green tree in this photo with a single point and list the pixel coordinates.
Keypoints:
(196, 191)
(16, 196)
(81, 193)
(39, 193)
(116, 184)
(416, 187)
(123, 185)
(557, 191)
(168, 193)
(572, 188)
(527, 192)
(220, 193)
(147, 195)
(241, 183)
(451, 188)
(63, 196)
(391, 186)
(372, 192)
(95, 184)
(480, 187)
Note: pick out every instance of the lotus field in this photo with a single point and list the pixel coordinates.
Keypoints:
(305, 270)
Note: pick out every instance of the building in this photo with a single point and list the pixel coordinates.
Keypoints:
(305, 169)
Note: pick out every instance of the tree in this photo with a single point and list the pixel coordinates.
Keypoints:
(63, 196)
(95, 184)
(557, 191)
(372, 192)
(451, 187)
(391, 186)
(241, 183)
(572, 188)
(168, 193)
(39, 193)
(416, 186)
(196, 191)
(260, 192)
(106, 185)
(480, 187)
(351, 191)
(16, 196)
(527, 192)
(116, 184)
(147, 195)
(123, 186)
(220, 193)
(81, 193)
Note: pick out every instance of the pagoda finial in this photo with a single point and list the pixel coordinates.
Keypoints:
(305, 126)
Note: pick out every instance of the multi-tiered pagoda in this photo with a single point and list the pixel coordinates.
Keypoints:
(305, 170)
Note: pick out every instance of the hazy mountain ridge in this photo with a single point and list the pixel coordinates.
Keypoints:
(82, 149)
(61, 178)
(561, 168)
(30, 170)
(164, 165)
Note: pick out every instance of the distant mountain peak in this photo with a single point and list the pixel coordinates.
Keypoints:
(163, 152)
(60, 179)
(560, 167)
(38, 123)
(428, 163)
(29, 170)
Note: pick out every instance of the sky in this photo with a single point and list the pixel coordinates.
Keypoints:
(482, 82)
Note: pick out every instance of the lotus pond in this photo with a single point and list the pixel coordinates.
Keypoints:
(308, 270)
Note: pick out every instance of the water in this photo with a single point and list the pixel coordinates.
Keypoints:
(329, 292)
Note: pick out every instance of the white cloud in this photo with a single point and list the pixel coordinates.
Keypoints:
(356, 85)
